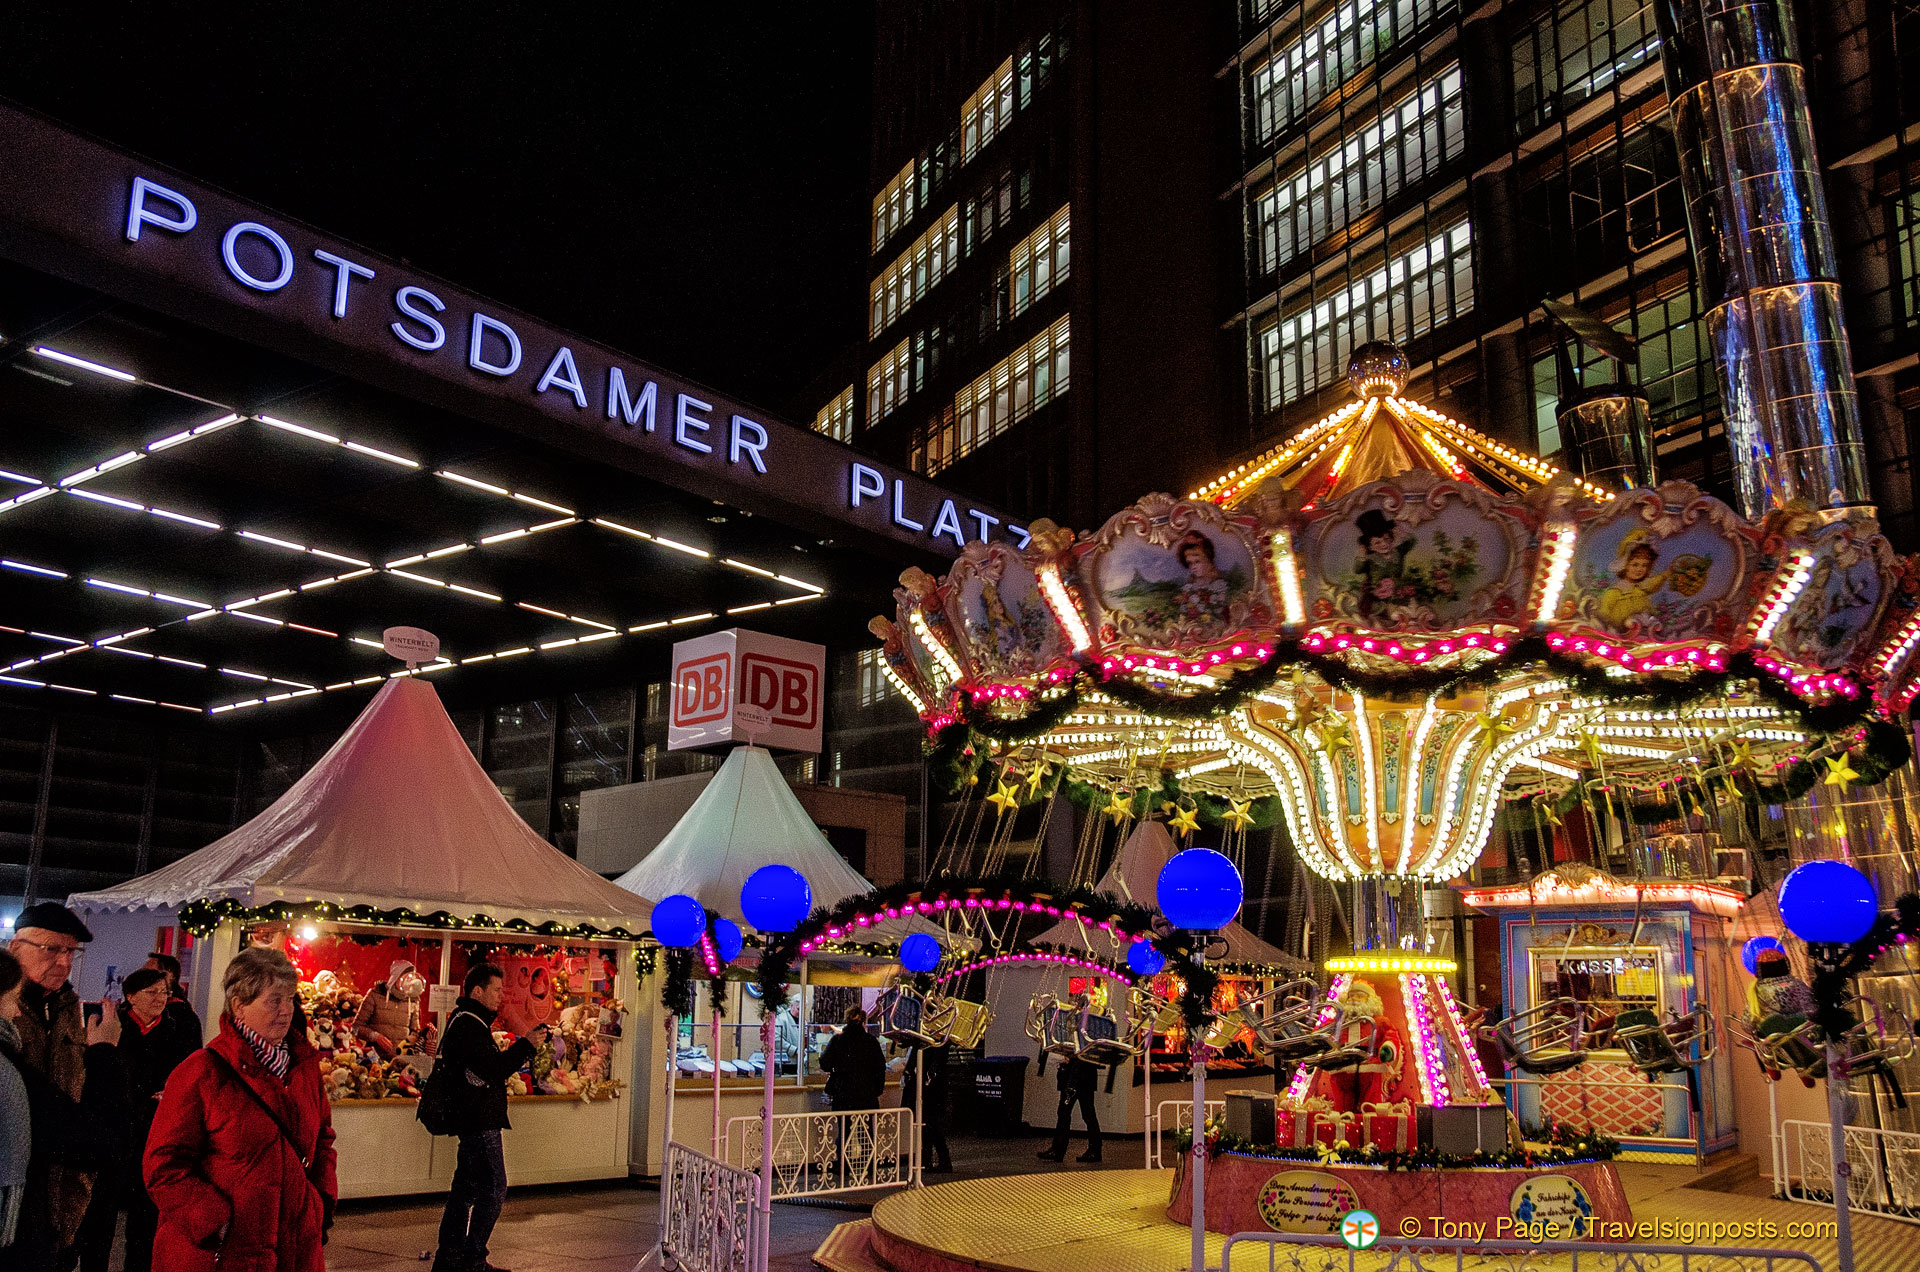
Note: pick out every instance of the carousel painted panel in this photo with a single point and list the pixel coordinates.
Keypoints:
(926, 637)
(1416, 556)
(1829, 622)
(1168, 575)
(993, 601)
(1660, 566)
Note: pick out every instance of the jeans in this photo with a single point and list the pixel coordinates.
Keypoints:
(1084, 1098)
(473, 1204)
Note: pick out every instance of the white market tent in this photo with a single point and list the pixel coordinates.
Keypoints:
(1134, 876)
(397, 814)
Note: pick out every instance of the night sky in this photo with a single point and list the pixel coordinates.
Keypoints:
(685, 182)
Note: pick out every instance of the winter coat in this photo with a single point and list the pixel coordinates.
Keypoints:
(933, 1086)
(481, 1068)
(856, 1069)
(53, 1043)
(16, 1132)
(64, 1134)
(217, 1164)
(1077, 1077)
(181, 1011)
(148, 1058)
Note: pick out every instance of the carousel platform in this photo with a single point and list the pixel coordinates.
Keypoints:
(1116, 1221)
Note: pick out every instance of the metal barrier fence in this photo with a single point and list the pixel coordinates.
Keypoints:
(1431, 1254)
(709, 1214)
(1182, 1119)
(815, 1154)
(1885, 1177)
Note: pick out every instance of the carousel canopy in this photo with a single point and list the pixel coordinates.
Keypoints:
(397, 815)
(1132, 877)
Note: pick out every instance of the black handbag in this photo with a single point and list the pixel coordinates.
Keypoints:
(439, 1101)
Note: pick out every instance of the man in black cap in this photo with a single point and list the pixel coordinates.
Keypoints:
(53, 1041)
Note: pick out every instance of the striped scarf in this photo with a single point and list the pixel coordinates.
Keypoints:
(275, 1057)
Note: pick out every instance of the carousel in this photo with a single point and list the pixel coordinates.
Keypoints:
(1383, 634)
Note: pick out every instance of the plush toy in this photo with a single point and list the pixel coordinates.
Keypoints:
(340, 1084)
(517, 1084)
(542, 1063)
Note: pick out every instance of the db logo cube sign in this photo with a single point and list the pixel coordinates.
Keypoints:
(781, 682)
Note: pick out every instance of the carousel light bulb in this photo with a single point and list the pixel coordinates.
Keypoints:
(308, 932)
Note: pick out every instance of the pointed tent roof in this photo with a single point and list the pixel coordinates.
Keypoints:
(747, 818)
(397, 813)
(1134, 876)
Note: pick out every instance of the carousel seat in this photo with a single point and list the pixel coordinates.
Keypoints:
(1287, 1021)
(1074, 1031)
(970, 1021)
(907, 1016)
(1657, 1047)
(1349, 1053)
(1542, 1040)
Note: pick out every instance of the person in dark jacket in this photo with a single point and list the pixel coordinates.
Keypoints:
(929, 1066)
(855, 1066)
(153, 1042)
(177, 1005)
(479, 1188)
(42, 1127)
(1077, 1082)
(240, 1160)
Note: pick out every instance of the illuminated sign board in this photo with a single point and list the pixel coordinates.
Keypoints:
(740, 686)
(131, 228)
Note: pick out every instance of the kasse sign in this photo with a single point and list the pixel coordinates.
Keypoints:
(780, 683)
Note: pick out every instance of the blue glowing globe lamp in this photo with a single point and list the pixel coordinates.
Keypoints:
(1144, 959)
(727, 939)
(1828, 901)
(919, 953)
(679, 921)
(1199, 890)
(776, 898)
(1750, 952)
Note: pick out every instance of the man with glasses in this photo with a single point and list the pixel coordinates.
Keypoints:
(53, 1041)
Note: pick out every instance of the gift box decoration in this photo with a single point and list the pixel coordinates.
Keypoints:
(1333, 1129)
(1388, 1127)
(1293, 1121)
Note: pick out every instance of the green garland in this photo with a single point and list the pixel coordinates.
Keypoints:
(1591, 1147)
(203, 916)
(676, 988)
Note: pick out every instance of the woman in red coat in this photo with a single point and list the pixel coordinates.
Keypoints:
(240, 1161)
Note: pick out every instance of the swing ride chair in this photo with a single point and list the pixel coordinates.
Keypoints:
(1077, 1032)
(1287, 1021)
(1657, 1047)
(1543, 1040)
(1882, 1039)
(916, 1019)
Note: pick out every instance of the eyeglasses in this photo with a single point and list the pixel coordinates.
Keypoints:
(53, 951)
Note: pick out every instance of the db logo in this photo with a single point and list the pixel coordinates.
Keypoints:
(788, 690)
(702, 690)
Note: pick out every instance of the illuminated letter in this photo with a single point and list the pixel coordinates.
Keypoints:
(948, 522)
(683, 421)
(742, 426)
(985, 522)
(1020, 534)
(620, 406)
(866, 481)
(900, 518)
(403, 300)
(343, 270)
(279, 246)
(562, 373)
(185, 217)
(478, 333)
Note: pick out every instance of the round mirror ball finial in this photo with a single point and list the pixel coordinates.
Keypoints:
(919, 953)
(1378, 369)
(679, 921)
(1827, 900)
(1200, 890)
(776, 898)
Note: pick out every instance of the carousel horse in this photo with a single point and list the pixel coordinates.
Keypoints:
(1542, 1040)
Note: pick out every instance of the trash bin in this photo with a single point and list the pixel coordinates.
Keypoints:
(998, 1093)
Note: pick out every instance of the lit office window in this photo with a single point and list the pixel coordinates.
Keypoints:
(874, 688)
(987, 111)
(836, 417)
(1403, 299)
(1033, 376)
(1037, 262)
(1575, 52)
(893, 206)
(1675, 368)
(888, 382)
(1407, 143)
(1905, 215)
(1312, 61)
(914, 272)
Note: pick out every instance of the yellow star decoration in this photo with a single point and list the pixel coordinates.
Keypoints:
(1743, 754)
(1591, 745)
(1184, 822)
(1005, 798)
(1331, 1152)
(1495, 722)
(1547, 811)
(1237, 814)
(1037, 778)
(1729, 790)
(1119, 809)
(1839, 771)
(1335, 736)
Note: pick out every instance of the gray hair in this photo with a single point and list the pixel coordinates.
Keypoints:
(253, 972)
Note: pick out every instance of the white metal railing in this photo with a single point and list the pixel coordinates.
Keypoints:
(1287, 1253)
(709, 1214)
(1885, 1178)
(1157, 1125)
(815, 1154)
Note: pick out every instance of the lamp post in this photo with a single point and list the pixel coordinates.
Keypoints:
(678, 922)
(774, 899)
(1830, 905)
(1199, 891)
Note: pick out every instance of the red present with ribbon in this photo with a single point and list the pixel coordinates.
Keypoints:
(1388, 1127)
(1333, 1129)
(1293, 1121)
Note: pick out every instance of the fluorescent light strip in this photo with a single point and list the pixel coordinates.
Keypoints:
(104, 466)
(97, 497)
(22, 566)
(21, 500)
(19, 477)
(98, 368)
(371, 452)
(167, 443)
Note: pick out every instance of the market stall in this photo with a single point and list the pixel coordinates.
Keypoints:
(391, 867)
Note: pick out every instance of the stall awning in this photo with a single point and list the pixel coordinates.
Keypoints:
(398, 814)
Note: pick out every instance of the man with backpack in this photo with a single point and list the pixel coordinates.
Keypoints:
(467, 1096)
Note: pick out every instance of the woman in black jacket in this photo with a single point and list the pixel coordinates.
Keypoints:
(855, 1066)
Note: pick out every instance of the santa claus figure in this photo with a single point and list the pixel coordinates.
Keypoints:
(1366, 1026)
